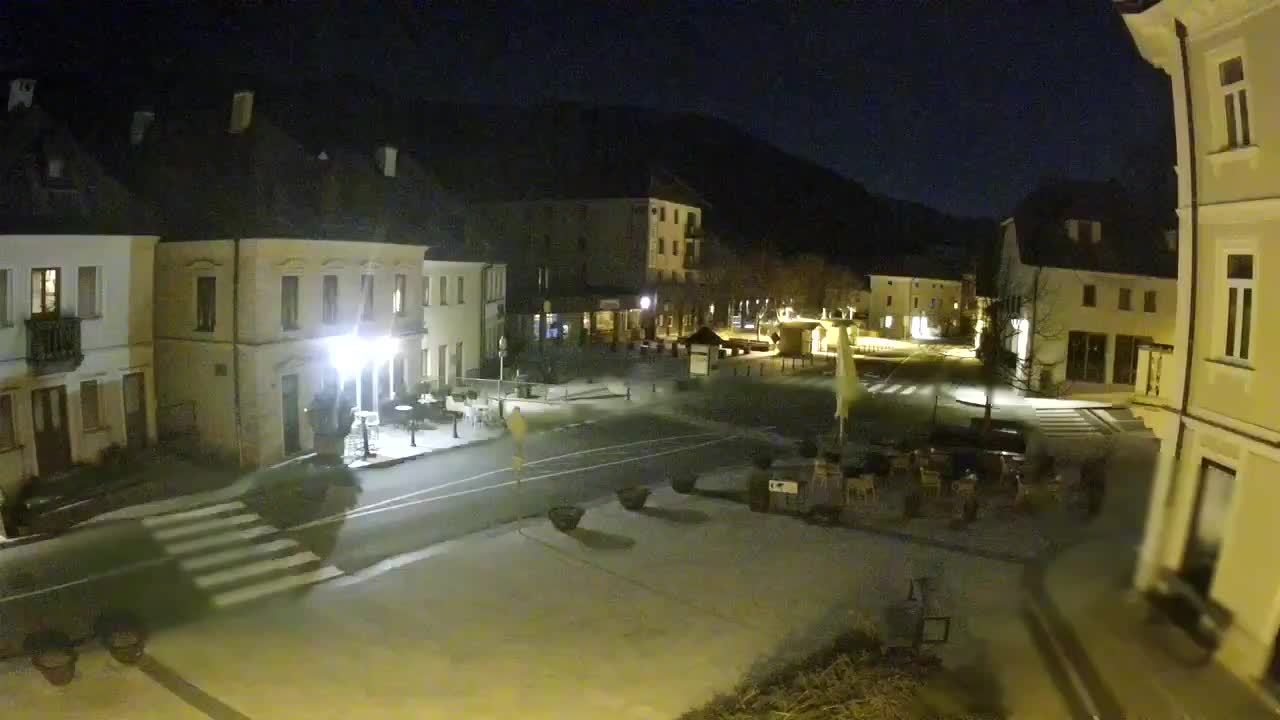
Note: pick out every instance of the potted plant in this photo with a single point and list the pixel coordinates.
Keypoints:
(122, 636)
(54, 655)
(683, 481)
(808, 448)
(762, 460)
(633, 498)
(565, 518)
(472, 395)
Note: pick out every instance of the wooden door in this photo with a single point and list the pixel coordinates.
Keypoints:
(135, 411)
(290, 414)
(49, 422)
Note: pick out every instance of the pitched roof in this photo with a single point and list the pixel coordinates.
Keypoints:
(704, 336)
(50, 185)
(1132, 243)
(916, 266)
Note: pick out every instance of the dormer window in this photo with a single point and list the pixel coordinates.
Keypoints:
(54, 167)
(1085, 232)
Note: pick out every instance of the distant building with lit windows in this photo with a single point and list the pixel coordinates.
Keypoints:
(914, 297)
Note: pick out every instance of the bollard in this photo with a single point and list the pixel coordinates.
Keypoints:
(735, 369)
(628, 393)
(455, 426)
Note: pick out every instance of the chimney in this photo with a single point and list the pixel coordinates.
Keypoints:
(241, 111)
(142, 120)
(22, 92)
(385, 157)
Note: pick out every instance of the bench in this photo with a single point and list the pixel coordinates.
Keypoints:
(1206, 623)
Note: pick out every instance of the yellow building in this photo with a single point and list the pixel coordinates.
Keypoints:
(1212, 531)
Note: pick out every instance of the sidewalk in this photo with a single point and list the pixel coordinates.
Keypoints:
(634, 615)
(1123, 665)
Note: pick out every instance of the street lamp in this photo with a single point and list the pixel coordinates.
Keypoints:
(502, 359)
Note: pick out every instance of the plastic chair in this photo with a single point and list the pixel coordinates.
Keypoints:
(931, 482)
(862, 489)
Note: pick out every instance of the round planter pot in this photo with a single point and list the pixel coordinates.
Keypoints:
(758, 492)
(125, 646)
(633, 498)
(565, 517)
(57, 665)
(684, 482)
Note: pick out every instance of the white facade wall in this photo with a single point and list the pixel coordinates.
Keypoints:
(902, 298)
(457, 321)
(115, 343)
(198, 369)
(1230, 421)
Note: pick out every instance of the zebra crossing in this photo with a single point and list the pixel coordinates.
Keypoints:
(233, 556)
(1067, 423)
(873, 385)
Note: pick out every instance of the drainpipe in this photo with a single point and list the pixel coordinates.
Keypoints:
(235, 346)
(1181, 31)
(484, 303)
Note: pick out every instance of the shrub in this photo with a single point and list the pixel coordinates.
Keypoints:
(808, 448)
(762, 460)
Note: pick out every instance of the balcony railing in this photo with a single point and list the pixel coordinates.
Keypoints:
(53, 344)
(1155, 380)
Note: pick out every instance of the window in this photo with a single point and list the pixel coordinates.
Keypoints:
(6, 317)
(329, 299)
(1239, 305)
(915, 302)
(444, 290)
(46, 291)
(1084, 232)
(675, 247)
(426, 362)
(888, 300)
(462, 296)
(1149, 301)
(1090, 298)
(1124, 370)
(7, 435)
(397, 295)
(206, 303)
(87, 288)
(1235, 102)
(289, 302)
(675, 216)
(662, 214)
(90, 408)
(366, 296)
(1086, 356)
(1126, 299)
(933, 303)
(426, 291)
(662, 246)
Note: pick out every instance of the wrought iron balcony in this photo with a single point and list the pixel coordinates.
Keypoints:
(53, 344)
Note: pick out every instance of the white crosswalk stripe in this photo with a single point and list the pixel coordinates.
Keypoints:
(234, 555)
(1066, 423)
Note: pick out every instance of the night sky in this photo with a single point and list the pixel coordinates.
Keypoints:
(962, 106)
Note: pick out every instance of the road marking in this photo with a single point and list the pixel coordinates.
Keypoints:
(273, 586)
(222, 557)
(876, 388)
(891, 389)
(361, 512)
(908, 391)
(206, 526)
(262, 567)
(213, 541)
(176, 517)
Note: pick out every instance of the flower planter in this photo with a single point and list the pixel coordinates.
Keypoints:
(53, 654)
(565, 517)
(758, 491)
(122, 636)
(633, 498)
(808, 448)
(763, 460)
(683, 482)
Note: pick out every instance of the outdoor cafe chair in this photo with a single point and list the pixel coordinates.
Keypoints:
(931, 482)
(863, 488)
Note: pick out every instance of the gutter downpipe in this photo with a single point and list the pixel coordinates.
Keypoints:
(235, 347)
(1181, 31)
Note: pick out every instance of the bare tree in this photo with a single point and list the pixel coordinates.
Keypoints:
(1022, 311)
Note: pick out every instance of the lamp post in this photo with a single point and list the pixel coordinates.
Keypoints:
(502, 359)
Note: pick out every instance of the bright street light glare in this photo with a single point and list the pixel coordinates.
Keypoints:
(346, 354)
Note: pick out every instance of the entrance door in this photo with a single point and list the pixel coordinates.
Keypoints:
(49, 419)
(1208, 524)
(135, 411)
(289, 413)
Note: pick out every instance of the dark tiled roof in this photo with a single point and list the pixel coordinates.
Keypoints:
(1132, 242)
(920, 266)
(83, 200)
(704, 336)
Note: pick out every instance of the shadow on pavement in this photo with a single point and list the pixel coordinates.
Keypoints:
(737, 496)
(681, 516)
(599, 540)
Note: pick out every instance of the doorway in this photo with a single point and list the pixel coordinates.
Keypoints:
(457, 362)
(1208, 525)
(49, 420)
(442, 365)
(290, 413)
(135, 411)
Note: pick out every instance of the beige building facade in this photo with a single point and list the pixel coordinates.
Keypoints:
(1211, 528)
(905, 306)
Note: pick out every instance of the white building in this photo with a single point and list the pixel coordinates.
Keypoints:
(914, 297)
(462, 317)
(244, 342)
(76, 370)
(593, 259)
(1211, 531)
(1092, 284)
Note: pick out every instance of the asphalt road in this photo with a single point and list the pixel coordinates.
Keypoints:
(225, 556)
